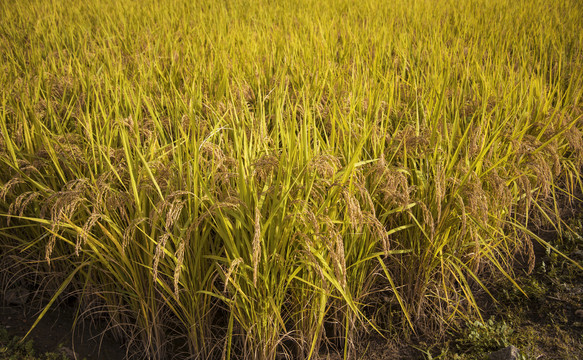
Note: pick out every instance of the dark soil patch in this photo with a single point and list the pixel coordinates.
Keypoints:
(54, 334)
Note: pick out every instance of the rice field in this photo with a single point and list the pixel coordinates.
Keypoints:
(265, 180)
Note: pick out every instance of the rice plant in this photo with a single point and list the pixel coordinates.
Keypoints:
(257, 180)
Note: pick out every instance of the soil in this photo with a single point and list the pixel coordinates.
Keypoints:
(54, 334)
